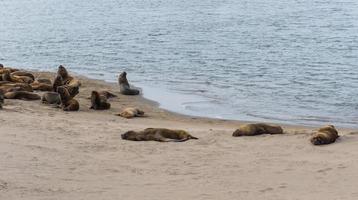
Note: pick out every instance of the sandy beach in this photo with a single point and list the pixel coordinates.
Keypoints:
(46, 153)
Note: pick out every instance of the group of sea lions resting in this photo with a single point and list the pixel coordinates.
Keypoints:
(325, 135)
(16, 84)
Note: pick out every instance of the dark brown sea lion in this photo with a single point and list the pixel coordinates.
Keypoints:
(99, 102)
(131, 112)
(325, 135)
(124, 86)
(257, 129)
(51, 98)
(24, 95)
(158, 134)
(68, 103)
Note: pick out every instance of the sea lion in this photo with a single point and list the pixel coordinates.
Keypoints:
(24, 95)
(124, 86)
(64, 79)
(158, 134)
(44, 80)
(8, 76)
(99, 102)
(131, 112)
(42, 85)
(51, 98)
(257, 129)
(16, 87)
(325, 135)
(22, 73)
(68, 103)
(1, 66)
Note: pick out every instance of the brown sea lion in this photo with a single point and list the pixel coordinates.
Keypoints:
(51, 98)
(24, 95)
(68, 103)
(22, 73)
(42, 85)
(99, 102)
(44, 80)
(64, 79)
(257, 129)
(124, 86)
(325, 135)
(7, 76)
(158, 134)
(16, 87)
(131, 112)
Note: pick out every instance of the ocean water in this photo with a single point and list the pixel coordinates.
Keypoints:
(287, 61)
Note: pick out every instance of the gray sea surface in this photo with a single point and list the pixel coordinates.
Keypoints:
(287, 61)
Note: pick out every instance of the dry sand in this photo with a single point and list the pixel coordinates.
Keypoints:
(46, 153)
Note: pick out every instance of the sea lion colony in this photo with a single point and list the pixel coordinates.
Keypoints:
(17, 84)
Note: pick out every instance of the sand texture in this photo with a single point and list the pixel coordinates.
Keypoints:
(46, 153)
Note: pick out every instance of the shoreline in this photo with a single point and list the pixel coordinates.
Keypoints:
(47, 153)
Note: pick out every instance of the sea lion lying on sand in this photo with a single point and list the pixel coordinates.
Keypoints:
(131, 112)
(8, 76)
(42, 85)
(24, 95)
(99, 101)
(9, 86)
(64, 79)
(124, 86)
(68, 103)
(51, 98)
(22, 73)
(257, 129)
(325, 135)
(158, 134)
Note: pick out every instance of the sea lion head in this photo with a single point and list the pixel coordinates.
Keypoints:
(123, 78)
(237, 133)
(62, 71)
(129, 135)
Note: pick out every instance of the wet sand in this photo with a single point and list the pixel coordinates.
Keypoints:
(46, 153)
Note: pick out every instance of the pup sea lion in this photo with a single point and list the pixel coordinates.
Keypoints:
(158, 134)
(131, 112)
(257, 129)
(24, 95)
(124, 86)
(99, 102)
(67, 102)
(51, 98)
(325, 135)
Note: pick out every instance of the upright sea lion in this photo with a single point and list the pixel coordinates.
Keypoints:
(64, 79)
(124, 86)
(24, 95)
(325, 135)
(257, 129)
(131, 112)
(99, 102)
(68, 103)
(51, 98)
(158, 134)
